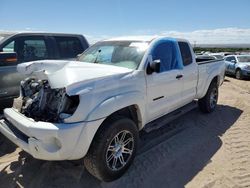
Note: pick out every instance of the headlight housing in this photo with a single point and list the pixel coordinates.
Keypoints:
(69, 106)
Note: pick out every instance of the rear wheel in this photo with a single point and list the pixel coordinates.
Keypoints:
(238, 74)
(113, 149)
(208, 103)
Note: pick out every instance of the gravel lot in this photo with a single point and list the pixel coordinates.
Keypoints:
(196, 150)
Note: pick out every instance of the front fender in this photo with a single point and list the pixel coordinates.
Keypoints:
(117, 102)
(241, 67)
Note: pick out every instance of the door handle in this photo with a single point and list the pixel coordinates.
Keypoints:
(179, 76)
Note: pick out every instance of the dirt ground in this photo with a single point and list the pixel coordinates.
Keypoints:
(196, 150)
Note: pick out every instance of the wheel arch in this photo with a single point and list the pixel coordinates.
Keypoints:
(128, 104)
(212, 79)
(216, 79)
(237, 69)
(132, 112)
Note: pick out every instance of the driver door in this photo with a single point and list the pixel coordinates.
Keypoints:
(163, 88)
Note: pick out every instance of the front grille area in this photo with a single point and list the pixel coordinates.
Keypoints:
(19, 134)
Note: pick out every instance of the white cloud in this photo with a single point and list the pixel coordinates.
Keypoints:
(214, 36)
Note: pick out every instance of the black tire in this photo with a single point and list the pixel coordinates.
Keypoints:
(238, 74)
(205, 104)
(96, 159)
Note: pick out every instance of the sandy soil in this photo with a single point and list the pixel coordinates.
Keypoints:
(196, 150)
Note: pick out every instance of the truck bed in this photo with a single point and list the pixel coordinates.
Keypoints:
(208, 69)
(204, 61)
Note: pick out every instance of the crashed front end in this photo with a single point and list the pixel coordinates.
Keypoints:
(40, 102)
(40, 121)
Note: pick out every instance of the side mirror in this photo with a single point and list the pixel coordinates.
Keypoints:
(8, 57)
(78, 56)
(233, 61)
(154, 66)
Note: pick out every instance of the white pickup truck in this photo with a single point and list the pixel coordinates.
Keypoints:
(95, 107)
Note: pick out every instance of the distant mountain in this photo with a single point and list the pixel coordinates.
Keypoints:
(223, 45)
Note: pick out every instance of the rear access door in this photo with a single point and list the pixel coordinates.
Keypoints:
(189, 73)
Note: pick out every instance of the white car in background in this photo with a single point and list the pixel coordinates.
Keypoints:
(238, 65)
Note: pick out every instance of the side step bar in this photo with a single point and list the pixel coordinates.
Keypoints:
(158, 123)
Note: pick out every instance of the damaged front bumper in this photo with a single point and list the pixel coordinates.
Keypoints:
(48, 141)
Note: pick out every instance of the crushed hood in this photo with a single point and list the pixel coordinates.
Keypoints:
(62, 74)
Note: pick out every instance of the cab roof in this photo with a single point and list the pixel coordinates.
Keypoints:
(143, 38)
(133, 38)
(10, 33)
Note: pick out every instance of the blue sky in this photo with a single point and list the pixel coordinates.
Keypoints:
(100, 19)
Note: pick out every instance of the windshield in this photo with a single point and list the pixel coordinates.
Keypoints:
(244, 59)
(126, 54)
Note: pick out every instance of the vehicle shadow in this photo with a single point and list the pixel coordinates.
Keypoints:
(168, 157)
(6, 146)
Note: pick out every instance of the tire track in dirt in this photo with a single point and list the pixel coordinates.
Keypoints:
(230, 167)
(240, 160)
(237, 140)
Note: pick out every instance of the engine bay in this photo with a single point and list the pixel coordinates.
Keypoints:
(40, 102)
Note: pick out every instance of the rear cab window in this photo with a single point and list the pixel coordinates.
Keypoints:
(68, 47)
(185, 53)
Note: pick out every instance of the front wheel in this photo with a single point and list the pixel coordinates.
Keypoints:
(113, 149)
(238, 74)
(208, 103)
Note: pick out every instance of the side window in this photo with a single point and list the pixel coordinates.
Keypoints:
(230, 58)
(185, 53)
(27, 49)
(166, 53)
(34, 50)
(9, 47)
(69, 47)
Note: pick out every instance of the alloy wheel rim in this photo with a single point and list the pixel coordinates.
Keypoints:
(213, 98)
(238, 74)
(120, 150)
